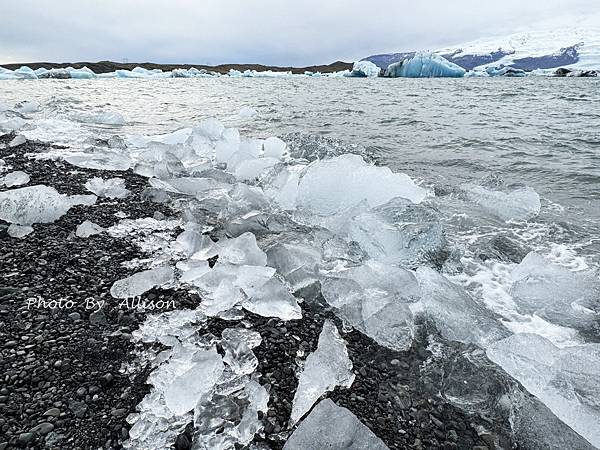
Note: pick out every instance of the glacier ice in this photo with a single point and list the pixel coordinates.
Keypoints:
(110, 188)
(324, 369)
(273, 299)
(17, 140)
(566, 380)
(100, 160)
(364, 69)
(101, 118)
(19, 231)
(374, 298)
(457, 315)
(246, 112)
(38, 204)
(238, 354)
(138, 283)
(519, 204)
(242, 250)
(555, 293)
(17, 178)
(329, 426)
(332, 185)
(87, 229)
(425, 65)
(274, 147)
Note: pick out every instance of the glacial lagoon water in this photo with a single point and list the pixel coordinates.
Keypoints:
(512, 168)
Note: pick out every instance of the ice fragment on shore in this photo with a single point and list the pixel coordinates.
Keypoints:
(138, 283)
(324, 369)
(555, 293)
(332, 185)
(242, 250)
(274, 147)
(100, 160)
(238, 354)
(520, 204)
(110, 188)
(17, 178)
(566, 380)
(273, 299)
(87, 229)
(19, 231)
(38, 204)
(456, 314)
(329, 426)
(18, 140)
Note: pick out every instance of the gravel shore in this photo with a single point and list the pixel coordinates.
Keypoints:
(60, 381)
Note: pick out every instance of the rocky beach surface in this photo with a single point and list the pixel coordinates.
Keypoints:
(63, 385)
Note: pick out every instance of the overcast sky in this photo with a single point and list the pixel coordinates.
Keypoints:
(278, 32)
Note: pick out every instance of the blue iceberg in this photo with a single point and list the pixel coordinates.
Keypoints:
(425, 65)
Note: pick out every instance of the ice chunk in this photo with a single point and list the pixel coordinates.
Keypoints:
(238, 354)
(228, 145)
(425, 65)
(87, 229)
(555, 293)
(18, 140)
(296, 261)
(210, 128)
(250, 169)
(19, 231)
(273, 299)
(17, 178)
(324, 369)
(187, 185)
(192, 241)
(100, 160)
(281, 185)
(329, 426)
(111, 188)
(101, 118)
(138, 283)
(375, 298)
(242, 250)
(457, 315)
(246, 112)
(274, 147)
(38, 204)
(28, 107)
(221, 299)
(332, 185)
(566, 380)
(520, 204)
(364, 69)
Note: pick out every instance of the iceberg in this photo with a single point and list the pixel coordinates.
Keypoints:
(141, 282)
(365, 69)
(324, 369)
(566, 380)
(329, 426)
(329, 186)
(38, 204)
(13, 179)
(111, 188)
(425, 65)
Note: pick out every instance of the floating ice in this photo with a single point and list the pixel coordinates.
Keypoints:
(137, 284)
(273, 299)
(87, 229)
(19, 231)
(38, 204)
(364, 69)
(520, 204)
(425, 65)
(28, 107)
(246, 112)
(332, 185)
(101, 118)
(555, 293)
(329, 426)
(457, 315)
(18, 140)
(566, 380)
(375, 298)
(324, 369)
(17, 178)
(111, 188)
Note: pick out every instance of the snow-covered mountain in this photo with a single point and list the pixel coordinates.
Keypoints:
(562, 42)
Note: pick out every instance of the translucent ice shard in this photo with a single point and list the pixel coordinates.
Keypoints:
(17, 178)
(329, 426)
(456, 314)
(273, 299)
(19, 231)
(274, 147)
(87, 229)
(110, 188)
(238, 354)
(324, 369)
(38, 204)
(520, 204)
(100, 159)
(138, 283)
(18, 140)
(555, 293)
(240, 251)
(566, 380)
(332, 185)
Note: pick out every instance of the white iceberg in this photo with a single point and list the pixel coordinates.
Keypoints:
(364, 69)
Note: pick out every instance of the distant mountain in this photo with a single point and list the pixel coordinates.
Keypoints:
(563, 42)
